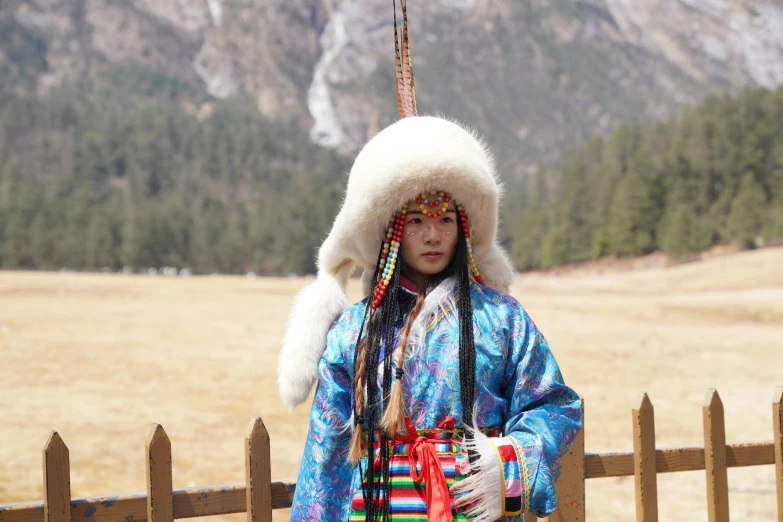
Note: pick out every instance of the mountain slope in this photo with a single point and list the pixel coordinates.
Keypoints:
(534, 76)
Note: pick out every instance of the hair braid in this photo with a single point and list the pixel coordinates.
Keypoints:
(467, 347)
(391, 316)
(393, 416)
(371, 384)
(360, 363)
(381, 327)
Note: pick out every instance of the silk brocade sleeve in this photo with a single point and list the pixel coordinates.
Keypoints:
(323, 488)
(544, 415)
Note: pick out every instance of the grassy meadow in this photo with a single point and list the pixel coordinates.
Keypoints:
(100, 357)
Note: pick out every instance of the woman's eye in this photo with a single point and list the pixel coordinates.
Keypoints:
(415, 221)
(447, 219)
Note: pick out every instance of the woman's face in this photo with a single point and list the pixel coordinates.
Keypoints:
(428, 244)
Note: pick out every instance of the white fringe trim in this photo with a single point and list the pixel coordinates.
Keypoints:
(480, 496)
(438, 301)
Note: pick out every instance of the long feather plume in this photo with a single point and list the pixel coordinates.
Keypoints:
(406, 94)
(398, 64)
(407, 65)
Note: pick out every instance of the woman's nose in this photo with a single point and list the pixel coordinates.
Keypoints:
(431, 234)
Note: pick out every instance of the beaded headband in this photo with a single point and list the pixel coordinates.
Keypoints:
(391, 243)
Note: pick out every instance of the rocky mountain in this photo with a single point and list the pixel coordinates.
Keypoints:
(534, 76)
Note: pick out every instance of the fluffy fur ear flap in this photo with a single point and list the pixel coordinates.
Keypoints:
(314, 310)
(496, 269)
(367, 280)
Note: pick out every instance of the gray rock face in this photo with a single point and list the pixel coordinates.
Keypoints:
(533, 76)
(736, 42)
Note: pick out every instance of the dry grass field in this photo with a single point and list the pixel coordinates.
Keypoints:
(101, 357)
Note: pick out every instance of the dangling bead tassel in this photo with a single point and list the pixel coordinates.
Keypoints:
(355, 453)
(391, 247)
(463, 220)
(392, 418)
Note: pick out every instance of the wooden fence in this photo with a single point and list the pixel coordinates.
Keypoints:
(258, 496)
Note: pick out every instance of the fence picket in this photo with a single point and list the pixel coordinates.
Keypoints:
(160, 497)
(258, 496)
(715, 458)
(644, 461)
(570, 486)
(258, 472)
(777, 444)
(56, 480)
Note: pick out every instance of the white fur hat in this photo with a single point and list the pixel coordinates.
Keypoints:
(412, 155)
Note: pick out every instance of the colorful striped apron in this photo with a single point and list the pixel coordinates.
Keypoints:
(423, 465)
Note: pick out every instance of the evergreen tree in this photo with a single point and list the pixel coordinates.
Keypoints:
(748, 210)
(119, 172)
(773, 224)
(554, 250)
(677, 231)
(631, 221)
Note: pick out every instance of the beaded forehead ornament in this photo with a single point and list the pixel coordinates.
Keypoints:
(391, 243)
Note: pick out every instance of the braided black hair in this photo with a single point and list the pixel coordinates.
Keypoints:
(379, 349)
(467, 345)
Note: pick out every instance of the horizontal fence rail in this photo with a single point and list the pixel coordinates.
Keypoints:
(670, 460)
(259, 495)
(187, 503)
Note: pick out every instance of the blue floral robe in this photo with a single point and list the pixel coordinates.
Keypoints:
(519, 387)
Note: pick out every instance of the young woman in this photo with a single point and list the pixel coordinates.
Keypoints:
(438, 398)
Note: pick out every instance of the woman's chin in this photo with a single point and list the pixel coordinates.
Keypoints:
(430, 268)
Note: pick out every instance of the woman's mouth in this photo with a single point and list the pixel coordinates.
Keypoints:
(433, 255)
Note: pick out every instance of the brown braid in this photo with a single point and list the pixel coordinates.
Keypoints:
(355, 453)
(392, 418)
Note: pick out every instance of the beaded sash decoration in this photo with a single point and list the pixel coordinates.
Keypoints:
(410, 484)
(391, 243)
